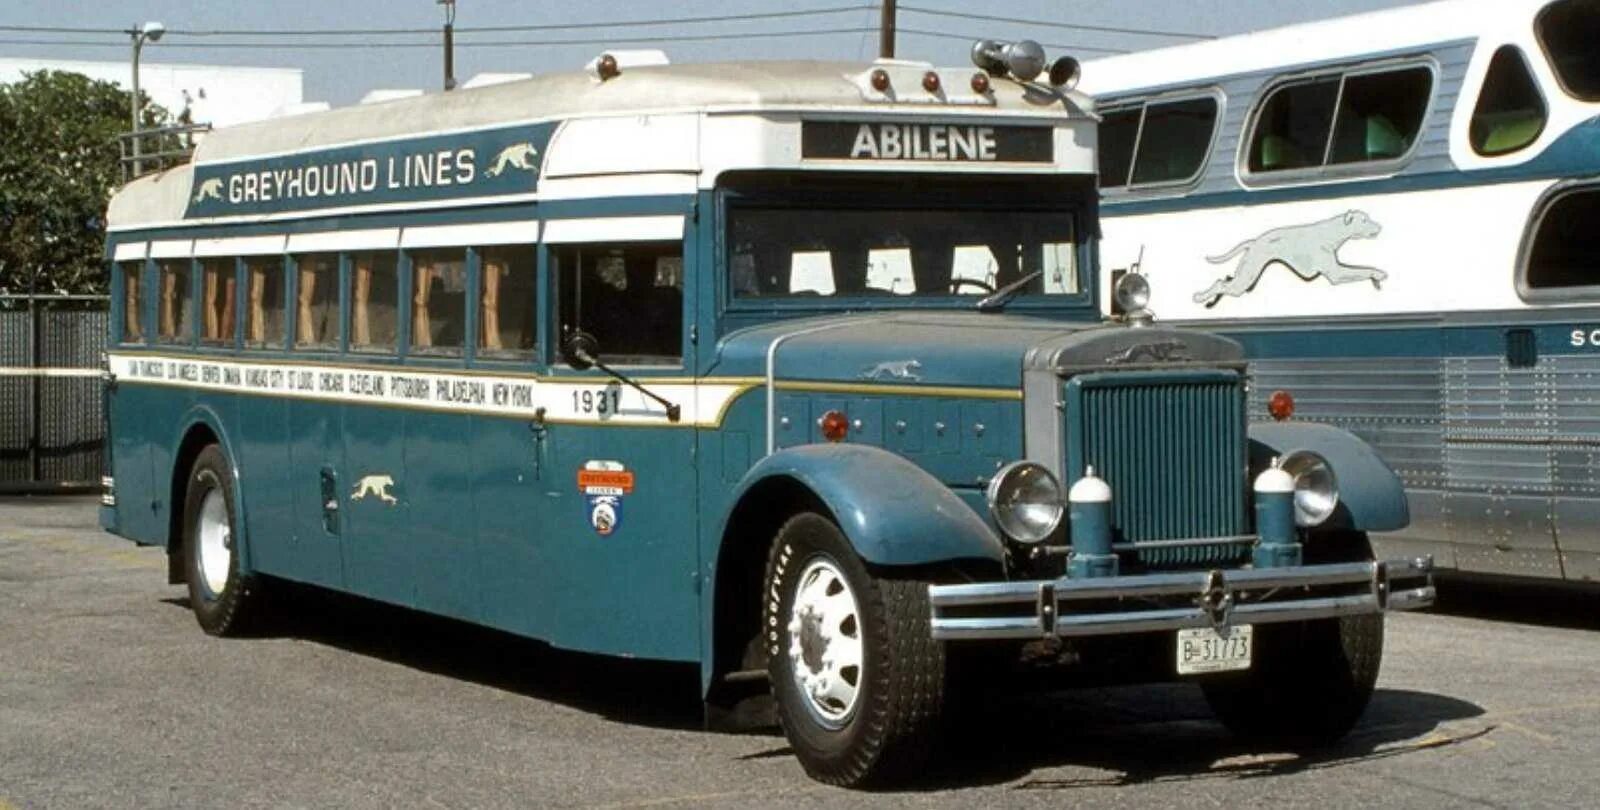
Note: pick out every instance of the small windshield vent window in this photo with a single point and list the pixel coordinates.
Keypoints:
(1566, 246)
(1510, 112)
(1569, 30)
(1341, 120)
(1156, 144)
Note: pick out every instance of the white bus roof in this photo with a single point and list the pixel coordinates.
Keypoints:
(1321, 41)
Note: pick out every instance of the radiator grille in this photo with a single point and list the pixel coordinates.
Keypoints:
(1172, 445)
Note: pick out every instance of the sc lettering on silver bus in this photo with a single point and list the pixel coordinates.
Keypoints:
(1588, 336)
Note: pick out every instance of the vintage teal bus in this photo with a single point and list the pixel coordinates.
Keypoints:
(791, 370)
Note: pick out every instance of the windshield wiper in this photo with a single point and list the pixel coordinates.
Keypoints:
(997, 300)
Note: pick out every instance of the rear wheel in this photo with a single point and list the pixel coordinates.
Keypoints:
(857, 677)
(1310, 681)
(225, 601)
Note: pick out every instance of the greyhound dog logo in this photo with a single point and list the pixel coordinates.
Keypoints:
(518, 156)
(376, 486)
(893, 370)
(1160, 351)
(209, 190)
(1307, 250)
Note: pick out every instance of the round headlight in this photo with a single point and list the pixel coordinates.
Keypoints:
(1026, 502)
(1132, 292)
(1316, 490)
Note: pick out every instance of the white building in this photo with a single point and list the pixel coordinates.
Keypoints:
(214, 94)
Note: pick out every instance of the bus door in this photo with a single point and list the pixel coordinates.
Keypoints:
(621, 525)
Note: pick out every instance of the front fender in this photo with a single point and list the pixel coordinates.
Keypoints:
(1371, 497)
(892, 511)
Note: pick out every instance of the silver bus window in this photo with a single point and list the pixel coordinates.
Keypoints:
(1565, 251)
(508, 300)
(1510, 113)
(629, 296)
(176, 322)
(1292, 131)
(1569, 29)
(374, 301)
(1119, 130)
(264, 302)
(317, 301)
(1159, 143)
(1380, 115)
(218, 285)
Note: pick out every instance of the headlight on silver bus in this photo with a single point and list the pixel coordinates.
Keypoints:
(1316, 489)
(1026, 502)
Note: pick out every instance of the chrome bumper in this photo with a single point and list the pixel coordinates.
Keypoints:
(1173, 601)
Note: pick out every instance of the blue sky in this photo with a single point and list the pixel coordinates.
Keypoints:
(343, 74)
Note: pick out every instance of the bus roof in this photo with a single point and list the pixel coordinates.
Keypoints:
(1307, 43)
(761, 88)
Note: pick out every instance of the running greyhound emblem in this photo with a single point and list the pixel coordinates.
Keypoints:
(1159, 351)
(1307, 250)
(516, 156)
(893, 370)
(209, 190)
(376, 486)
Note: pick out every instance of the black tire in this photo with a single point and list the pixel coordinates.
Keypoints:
(1310, 681)
(901, 685)
(237, 608)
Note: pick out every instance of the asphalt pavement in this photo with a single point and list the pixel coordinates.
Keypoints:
(110, 696)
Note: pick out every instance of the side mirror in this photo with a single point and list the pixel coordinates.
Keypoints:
(579, 350)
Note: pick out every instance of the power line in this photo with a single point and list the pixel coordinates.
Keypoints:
(969, 38)
(1076, 26)
(467, 44)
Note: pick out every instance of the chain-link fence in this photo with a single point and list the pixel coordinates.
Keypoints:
(52, 429)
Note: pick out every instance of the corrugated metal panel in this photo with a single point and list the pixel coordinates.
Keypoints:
(69, 437)
(1172, 447)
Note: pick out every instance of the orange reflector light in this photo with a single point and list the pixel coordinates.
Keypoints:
(608, 67)
(930, 82)
(880, 80)
(980, 83)
(1280, 405)
(835, 426)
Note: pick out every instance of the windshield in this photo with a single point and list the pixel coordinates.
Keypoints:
(820, 253)
(1569, 30)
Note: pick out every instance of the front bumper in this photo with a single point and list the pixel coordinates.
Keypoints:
(1096, 606)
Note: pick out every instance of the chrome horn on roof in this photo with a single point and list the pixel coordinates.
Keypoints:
(1024, 60)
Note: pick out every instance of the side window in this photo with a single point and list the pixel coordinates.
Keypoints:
(374, 301)
(438, 300)
(317, 301)
(630, 297)
(176, 321)
(132, 302)
(1341, 120)
(1510, 112)
(265, 298)
(1568, 30)
(217, 300)
(508, 297)
(1565, 251)
(1160, 143)
(1119, 131)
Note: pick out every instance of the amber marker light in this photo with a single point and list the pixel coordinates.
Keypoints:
(880, 80)
(930, 82)
(980, 83)
(835, 426)
(608, 68)
(1280, 405)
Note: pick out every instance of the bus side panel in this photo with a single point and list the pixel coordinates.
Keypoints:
(134, 435)
(438, 479)
(510, 479)
(314, 451)
(377, 497)
(262, 442)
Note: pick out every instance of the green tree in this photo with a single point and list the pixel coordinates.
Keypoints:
(59, 163)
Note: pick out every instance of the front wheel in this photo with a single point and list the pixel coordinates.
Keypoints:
(858, 679)
(225, 601)
(1310, 681)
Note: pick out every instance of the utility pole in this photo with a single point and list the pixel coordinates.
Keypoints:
(449, 43)
(886, 31)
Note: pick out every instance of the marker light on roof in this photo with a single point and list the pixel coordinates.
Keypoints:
(880, 80)
(930, 82)
(607, 67)
(980, 83)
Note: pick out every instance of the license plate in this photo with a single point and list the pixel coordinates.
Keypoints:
(1203, 649)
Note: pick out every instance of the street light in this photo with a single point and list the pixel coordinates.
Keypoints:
(151, 32)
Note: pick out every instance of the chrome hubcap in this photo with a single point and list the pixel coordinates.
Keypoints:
(214, 537)
(825, 643)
